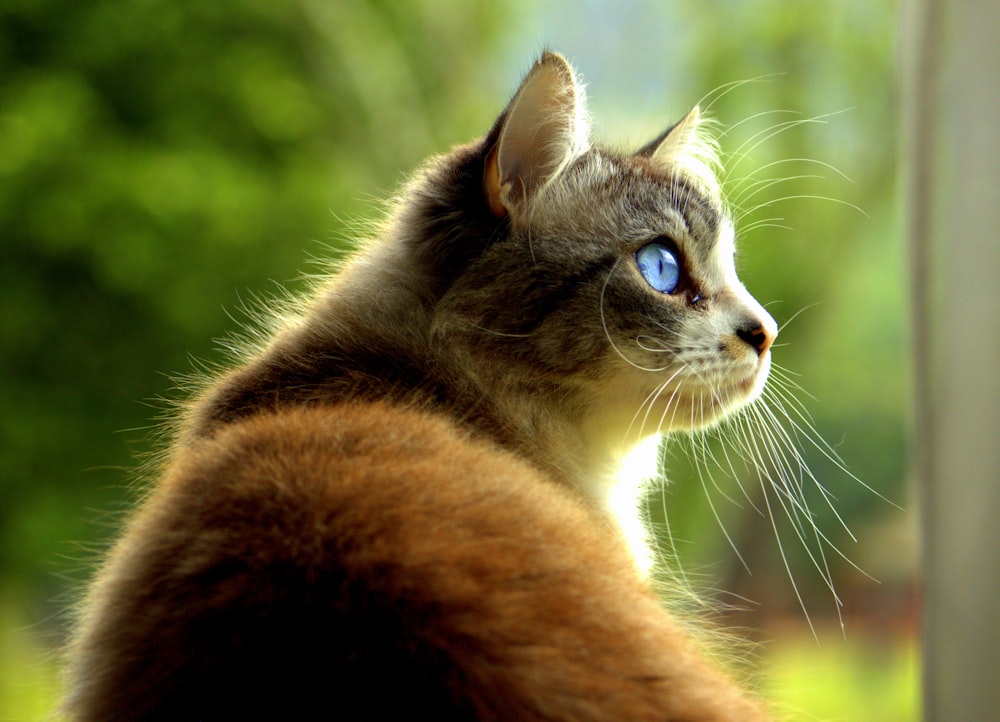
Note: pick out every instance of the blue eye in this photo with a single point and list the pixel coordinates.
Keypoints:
(658, 265)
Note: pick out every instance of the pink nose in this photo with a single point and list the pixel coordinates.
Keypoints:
(757, 336)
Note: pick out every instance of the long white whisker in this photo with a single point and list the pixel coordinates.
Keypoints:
(700, 462)
(822, 542)
(709, 99)
(607, 333)
(797, 512)
(810, 196)
(784, 559)
(760, 186)
(795, 315)
(762, 136)
(784, 161)
(738, 189)
(824, 448)
(792, 448)
(755, 116)
(736, 476)
(651, 400)
(673, 416)
(775, 426)
(765, 223)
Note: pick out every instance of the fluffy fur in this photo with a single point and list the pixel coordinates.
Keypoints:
(398, 505)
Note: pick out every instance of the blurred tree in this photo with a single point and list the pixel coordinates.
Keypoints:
(157, 159)
(160, 159)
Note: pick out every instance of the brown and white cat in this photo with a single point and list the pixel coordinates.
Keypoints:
(397, 507)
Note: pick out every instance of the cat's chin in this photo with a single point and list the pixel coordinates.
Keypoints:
(753, 385)
(704, 406)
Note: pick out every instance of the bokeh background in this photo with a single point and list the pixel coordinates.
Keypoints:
(163, 163)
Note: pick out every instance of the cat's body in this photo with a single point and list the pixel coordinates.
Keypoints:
(397, 506)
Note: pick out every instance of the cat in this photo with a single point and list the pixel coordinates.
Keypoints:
(397, 505)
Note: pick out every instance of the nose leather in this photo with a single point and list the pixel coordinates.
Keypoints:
(755, 335)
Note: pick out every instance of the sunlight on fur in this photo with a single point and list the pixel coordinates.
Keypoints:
(639, 469)
(425, 476)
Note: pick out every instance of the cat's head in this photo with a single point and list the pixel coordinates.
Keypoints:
(602, 279)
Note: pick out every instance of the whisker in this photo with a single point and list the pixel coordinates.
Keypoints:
(700, 447)
(673, 416)
(739, 188)
(817, 441)
(766, 223)
(795, 315)
(647, 404)
(651, 400)
(787, 375)
(754, 116)
(700, 462)
(759, 186)
(735, 475)
(784, 559)
(784, 161)
(781, 383)
(794, 505)
(810, 196)
(762, 136)
(709, 99)
(607, 333)
(820, 535)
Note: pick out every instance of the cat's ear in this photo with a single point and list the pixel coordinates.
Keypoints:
(542, 130)
(675, 141)
(689, 147)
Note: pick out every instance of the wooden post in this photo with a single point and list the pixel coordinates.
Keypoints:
(952, 193)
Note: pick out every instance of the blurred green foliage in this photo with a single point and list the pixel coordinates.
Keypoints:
(162, 161)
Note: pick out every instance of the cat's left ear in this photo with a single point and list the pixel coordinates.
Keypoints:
(675, 141)
(542, 130)
(689, 147)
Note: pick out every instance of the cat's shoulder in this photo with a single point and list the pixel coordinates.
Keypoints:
(367, 469)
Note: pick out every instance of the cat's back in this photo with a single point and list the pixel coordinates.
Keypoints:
(368, 559)
(397, 507)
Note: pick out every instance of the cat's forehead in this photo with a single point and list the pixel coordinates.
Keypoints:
(632, 198)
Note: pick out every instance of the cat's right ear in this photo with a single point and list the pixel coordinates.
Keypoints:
(542, 130)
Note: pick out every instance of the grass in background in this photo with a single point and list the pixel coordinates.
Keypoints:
(29, 669)
(859, 679)
(862, 678)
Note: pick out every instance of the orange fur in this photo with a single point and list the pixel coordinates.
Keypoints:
(367, 560)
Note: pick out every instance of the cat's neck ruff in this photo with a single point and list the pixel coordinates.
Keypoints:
(612, 467)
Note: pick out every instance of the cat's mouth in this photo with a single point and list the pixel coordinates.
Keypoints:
(708, 403)
(753, 384)
(738, 393)
(750, 384)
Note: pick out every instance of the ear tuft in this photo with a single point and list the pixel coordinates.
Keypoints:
(540, 133)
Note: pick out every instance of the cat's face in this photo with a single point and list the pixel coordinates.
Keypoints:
(684, 343)
(623, 288)
(615, 282)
